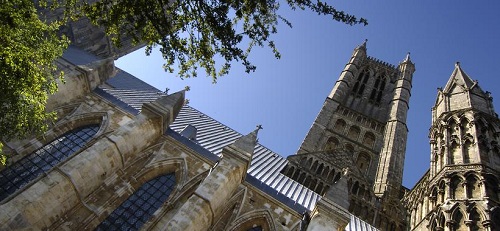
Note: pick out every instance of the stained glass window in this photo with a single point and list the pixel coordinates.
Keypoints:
(19, 174)
(141, 205)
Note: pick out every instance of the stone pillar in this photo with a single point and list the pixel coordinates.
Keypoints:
(447, 190)
(206, 204)
(50, 198)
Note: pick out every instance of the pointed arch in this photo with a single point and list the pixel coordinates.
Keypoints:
(262, 218)
(491, 184)
(231, 211)
(378, 89)
(359, 85)
(476, 219)
(65, 125)
(458, 220)
(144, 189)
(468, 151)
(456, 188)
(66, 139)
(473, 186)
(138, 208)
(320, 169)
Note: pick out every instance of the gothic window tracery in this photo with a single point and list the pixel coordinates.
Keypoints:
(361, 81)
(377, 90)
(134, 212)
(27, 169)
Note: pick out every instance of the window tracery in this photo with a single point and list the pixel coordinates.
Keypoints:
(27, 169)
(134, 212)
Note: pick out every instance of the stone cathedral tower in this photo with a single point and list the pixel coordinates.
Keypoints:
(460, 190)
(361, 133)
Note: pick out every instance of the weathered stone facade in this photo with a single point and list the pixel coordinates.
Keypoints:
(361, 130)
(461, 190)
(134, 171)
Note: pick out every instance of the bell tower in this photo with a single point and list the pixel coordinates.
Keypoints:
(360, 135)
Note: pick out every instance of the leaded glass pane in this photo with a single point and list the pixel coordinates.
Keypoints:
(19, 174)
(140, 206)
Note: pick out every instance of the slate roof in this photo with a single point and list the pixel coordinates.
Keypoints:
(211, 135)
(129, 93)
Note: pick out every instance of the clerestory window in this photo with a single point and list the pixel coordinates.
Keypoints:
(21, 173)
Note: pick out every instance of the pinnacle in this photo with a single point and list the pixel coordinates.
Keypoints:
(363, 45)
(248, 142)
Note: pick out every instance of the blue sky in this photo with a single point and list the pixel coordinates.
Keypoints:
(286, 95)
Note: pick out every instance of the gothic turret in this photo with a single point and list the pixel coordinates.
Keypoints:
(460, 191)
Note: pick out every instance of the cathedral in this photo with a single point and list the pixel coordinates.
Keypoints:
(126, 156)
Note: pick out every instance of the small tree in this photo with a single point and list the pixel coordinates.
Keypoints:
(191, 33)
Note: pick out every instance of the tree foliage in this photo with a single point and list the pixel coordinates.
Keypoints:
(28, 49)
(193, 33)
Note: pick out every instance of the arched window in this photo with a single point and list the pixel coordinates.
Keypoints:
(473, 187)
(369, 139)
(339, 126)
(377, 90)
(476, 223)
(349, 149)
(457, 191)
(141, 205)
(359, 86)
(19, 174)
(331, 144)
(363, 162)
(458, 218)
(354, 133)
